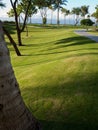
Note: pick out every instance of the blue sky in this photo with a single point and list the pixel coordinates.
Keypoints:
(70, 5)
(79, 3)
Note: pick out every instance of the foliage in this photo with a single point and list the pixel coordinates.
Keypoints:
(84, 10)
(18, 8)
(52, 9)
(87, 22)
(21, 9)
(8, 34)
(11, 13)
(65, 12)
(43, 7)
(32, 9)
(77, 12)
(95, 14)
(2, 4)
(44, 20)
(42, 3)
(58, 4)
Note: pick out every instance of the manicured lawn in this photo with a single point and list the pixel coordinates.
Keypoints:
(58, 77)
(94, 32)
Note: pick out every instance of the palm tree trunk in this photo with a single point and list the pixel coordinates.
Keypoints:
(64, 19)
(30, 19)
(58, 22)
(26, 30)
(14, 115)
(51, 16)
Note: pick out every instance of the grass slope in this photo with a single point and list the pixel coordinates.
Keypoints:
(58, 76)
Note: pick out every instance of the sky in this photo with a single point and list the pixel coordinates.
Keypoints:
(70, 5)
(79, 3)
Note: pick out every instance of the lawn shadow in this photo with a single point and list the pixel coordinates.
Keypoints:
(82, 115)
(53, 125)
(11, 28)
(45, 61)
(78, 40)
(60, 44)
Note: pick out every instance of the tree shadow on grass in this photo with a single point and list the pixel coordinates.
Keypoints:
(63, 43)
(45, 61)
(11, 28)
(60, 44)
(81, 97)
(52, 125)
(78, 40)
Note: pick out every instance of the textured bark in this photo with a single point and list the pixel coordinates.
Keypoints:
(14, 115)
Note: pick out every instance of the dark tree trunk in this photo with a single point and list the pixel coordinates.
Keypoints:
(19, 37)
(14, 115)
(18, 28)
(13, 42)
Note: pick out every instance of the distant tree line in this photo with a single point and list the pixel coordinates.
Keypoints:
(22, 10)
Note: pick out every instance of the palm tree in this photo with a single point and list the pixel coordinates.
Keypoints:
(84, 10)
(32, 11)
(14, 115)
(65, 12)
(52, 9)
(2, 4)
(43, 7)
(95, 15)
(77, 12)
(58, 5)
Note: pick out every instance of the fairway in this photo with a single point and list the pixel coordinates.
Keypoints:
(58, 77)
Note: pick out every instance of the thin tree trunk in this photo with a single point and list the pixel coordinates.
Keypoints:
(51, 16)
(30, 19)
(20, 30)
(26, 30)
(26, 27)
(58, 22)
(14, 115)
(64, 19)
(19, 37)
(17, 22)
(13, 42)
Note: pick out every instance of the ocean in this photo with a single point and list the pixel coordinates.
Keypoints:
(68, 21)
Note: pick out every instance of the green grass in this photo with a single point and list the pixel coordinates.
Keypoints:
(58, 77)
(94, 32)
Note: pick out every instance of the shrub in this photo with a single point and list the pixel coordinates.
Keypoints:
(44, 20)
(87, 22)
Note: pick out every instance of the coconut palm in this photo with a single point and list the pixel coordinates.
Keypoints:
(58, 5)
(14, 115)
(76, 11)
(2, 4)
(52, 9)
(43, 8)
(66, 13)
(84, 10)
(95, 14)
